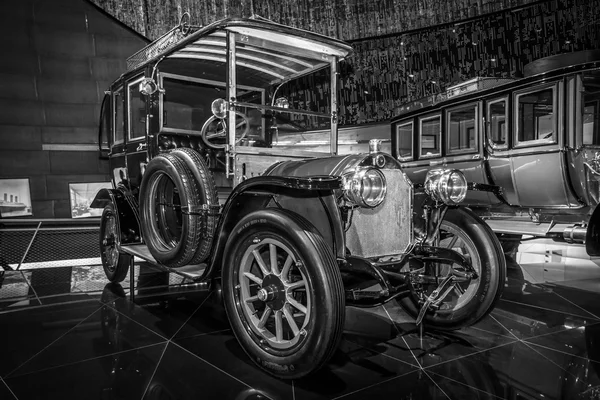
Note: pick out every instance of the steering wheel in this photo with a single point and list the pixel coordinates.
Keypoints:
(216, 128)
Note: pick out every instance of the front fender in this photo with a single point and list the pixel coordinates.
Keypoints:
(311, 197)
(128, 219)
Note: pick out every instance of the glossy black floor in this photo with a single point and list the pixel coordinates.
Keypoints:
(65, 334)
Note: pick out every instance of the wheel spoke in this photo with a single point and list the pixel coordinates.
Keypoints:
(458, 290)
(260, 262)
(290, 320)
(253, 277)
(278, 326)
(251, 299)
(296, 285)
(273, 256)
(264, 318)
(297, 305)
(286, 268)
(452, 242)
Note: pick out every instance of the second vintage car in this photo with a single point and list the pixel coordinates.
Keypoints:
(223, 151)
(538, 138)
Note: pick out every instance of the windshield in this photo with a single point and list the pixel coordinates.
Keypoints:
(292, 112)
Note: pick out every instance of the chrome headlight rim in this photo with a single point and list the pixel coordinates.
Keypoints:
(438, 186)
(360, 187)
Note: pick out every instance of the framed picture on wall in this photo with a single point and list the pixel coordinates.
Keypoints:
(15, 197)
(82, 195)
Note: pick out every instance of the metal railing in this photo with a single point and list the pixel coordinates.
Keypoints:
(40, 243)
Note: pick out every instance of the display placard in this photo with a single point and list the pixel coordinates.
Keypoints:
(15, 198)
(82, 195)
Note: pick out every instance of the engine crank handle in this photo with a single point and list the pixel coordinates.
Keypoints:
(441, 298)
(432, 298)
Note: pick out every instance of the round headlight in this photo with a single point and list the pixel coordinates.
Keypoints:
(219, 108)
(365, 187)
(448, 186)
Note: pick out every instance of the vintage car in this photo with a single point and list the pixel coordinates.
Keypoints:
(222, 143)
(537, 138)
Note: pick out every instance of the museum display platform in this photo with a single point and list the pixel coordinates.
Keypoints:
(67, 334)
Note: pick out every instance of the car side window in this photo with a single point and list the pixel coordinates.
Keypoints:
(536, 116)
(404, 141)
(105, 137)
(429, 135)
(497, 123)
(591, 134)
(119, 129)
(462, 129)
(137, 111)
(591, 108)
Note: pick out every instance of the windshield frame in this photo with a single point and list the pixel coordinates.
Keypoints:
(232, 88)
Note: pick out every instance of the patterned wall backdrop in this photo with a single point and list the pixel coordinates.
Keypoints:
(386, 72)
(404, 49)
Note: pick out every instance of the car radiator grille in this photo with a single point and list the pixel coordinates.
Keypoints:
(386, 229)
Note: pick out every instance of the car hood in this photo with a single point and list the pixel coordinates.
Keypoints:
(336, 165)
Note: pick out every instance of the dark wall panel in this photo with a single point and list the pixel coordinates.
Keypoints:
(58, 59)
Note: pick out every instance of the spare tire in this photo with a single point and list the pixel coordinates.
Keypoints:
(171, 201)
(207, 195)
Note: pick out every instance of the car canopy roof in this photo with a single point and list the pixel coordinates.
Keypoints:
(266, 52)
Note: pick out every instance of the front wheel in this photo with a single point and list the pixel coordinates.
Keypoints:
(466, 234)
(283, 293)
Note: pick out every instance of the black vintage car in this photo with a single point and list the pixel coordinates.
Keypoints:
(225, 166)
(537, 137)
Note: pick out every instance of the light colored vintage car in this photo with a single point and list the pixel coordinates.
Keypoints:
(537, 138)
(225, 167)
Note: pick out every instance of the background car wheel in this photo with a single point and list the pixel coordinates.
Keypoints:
(169, 203)
(466, 234)
(114, 262)
(283, 293)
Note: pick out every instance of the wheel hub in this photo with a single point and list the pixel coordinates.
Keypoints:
(272, 292)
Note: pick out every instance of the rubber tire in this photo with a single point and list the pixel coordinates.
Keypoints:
(324, 281)
(207, 192)
(118, 272)
(492, 274)
(170, 253)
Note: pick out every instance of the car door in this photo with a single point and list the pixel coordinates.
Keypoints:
(136, 122)
(538, 163)
(117, 163)
(498, 135)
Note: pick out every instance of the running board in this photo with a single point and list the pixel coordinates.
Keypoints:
(194, 272)
(526, 227)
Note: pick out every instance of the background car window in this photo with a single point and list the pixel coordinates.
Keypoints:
(430, 136)
(591, 109)
(536, 115)
(404, 140)
(462, 131)
(137, 112)
(118, 107)
(497, 123)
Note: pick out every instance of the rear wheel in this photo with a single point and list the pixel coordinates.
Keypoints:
(472, 300)
(283, 293)
(114, 262)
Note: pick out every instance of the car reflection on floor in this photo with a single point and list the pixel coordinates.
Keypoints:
(77, 337)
